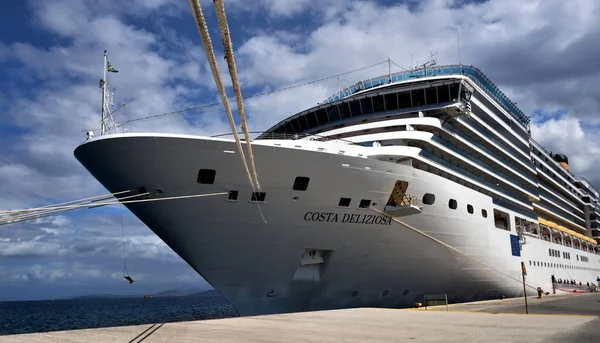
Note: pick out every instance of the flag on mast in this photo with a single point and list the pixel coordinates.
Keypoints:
(111, 69)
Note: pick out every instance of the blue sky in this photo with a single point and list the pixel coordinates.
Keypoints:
(541, 53)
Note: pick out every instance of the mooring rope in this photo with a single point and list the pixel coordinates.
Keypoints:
(57, 209)
(212, 61)
(229, 56)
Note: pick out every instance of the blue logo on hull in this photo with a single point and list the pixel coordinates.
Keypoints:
(514, 245)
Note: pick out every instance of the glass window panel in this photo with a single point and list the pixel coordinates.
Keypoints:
(288, 127)
(391, 102)
(299, 126)
(378, 103)
(454, 92)
(355, 108)
(431, 96)
(334, 114)
(418, 97)
(322, 116)
(367, 105)
(404, 100)
(311, 119)
(443, 94)
(344, 110)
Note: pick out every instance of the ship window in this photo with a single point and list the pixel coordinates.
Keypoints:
(322, 116)
(258, 196)
(404, 100)
(364, 203)
(355, 108)
(301, 183)
(428, 199)
(452, 204)
(289, 127)
(391, 102)
(454, 92)
(344, 110)
(295, 126)
(378, 103)
(232, 196)
(334, 114)
(431, 96)
(443, 93)
(550, 252)
(303, 123)
(418, 97)
(206, 176)
(470, 209)
(501, 220)
(344, 202)
(311, 119)
(367, 105)
(483, 213)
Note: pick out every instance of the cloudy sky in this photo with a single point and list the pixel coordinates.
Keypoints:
(543, 54)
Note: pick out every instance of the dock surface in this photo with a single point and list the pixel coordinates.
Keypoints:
(566, 318)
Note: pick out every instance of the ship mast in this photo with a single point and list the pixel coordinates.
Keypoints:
(103, 86)
(107, 122)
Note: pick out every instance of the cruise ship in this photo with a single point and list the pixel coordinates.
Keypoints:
(421, 182)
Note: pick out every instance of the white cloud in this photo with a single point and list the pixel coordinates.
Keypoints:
(276, 9)
(565, 135)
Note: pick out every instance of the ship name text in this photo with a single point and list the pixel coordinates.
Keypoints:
(332, 217)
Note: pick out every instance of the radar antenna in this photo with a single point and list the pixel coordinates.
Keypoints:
(432, 61)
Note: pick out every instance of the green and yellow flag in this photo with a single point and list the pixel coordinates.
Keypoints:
(111, 69)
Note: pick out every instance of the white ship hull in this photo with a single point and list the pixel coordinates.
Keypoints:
(369, 260)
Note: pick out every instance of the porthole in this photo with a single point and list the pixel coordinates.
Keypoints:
(344, 202)
(452, 204)
(233, 195)
(470, 209)
(301, 183)
(258, 196)
(364, 203)
(206, 176)
(483, 213)
(428, 199)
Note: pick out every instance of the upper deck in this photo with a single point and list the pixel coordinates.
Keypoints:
(432, 73)
(473, 73)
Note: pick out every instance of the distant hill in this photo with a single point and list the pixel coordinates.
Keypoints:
(105, 296)
(178, 293)
(204, 293)
(168, 293)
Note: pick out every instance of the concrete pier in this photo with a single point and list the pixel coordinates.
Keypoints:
(572, 318)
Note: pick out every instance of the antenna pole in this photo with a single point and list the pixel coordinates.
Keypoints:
(458, 46)
(339, 80)
(103, 86)
(389, 70)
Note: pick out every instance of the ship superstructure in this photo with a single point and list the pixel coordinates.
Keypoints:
(420, 182)
(468, 131)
